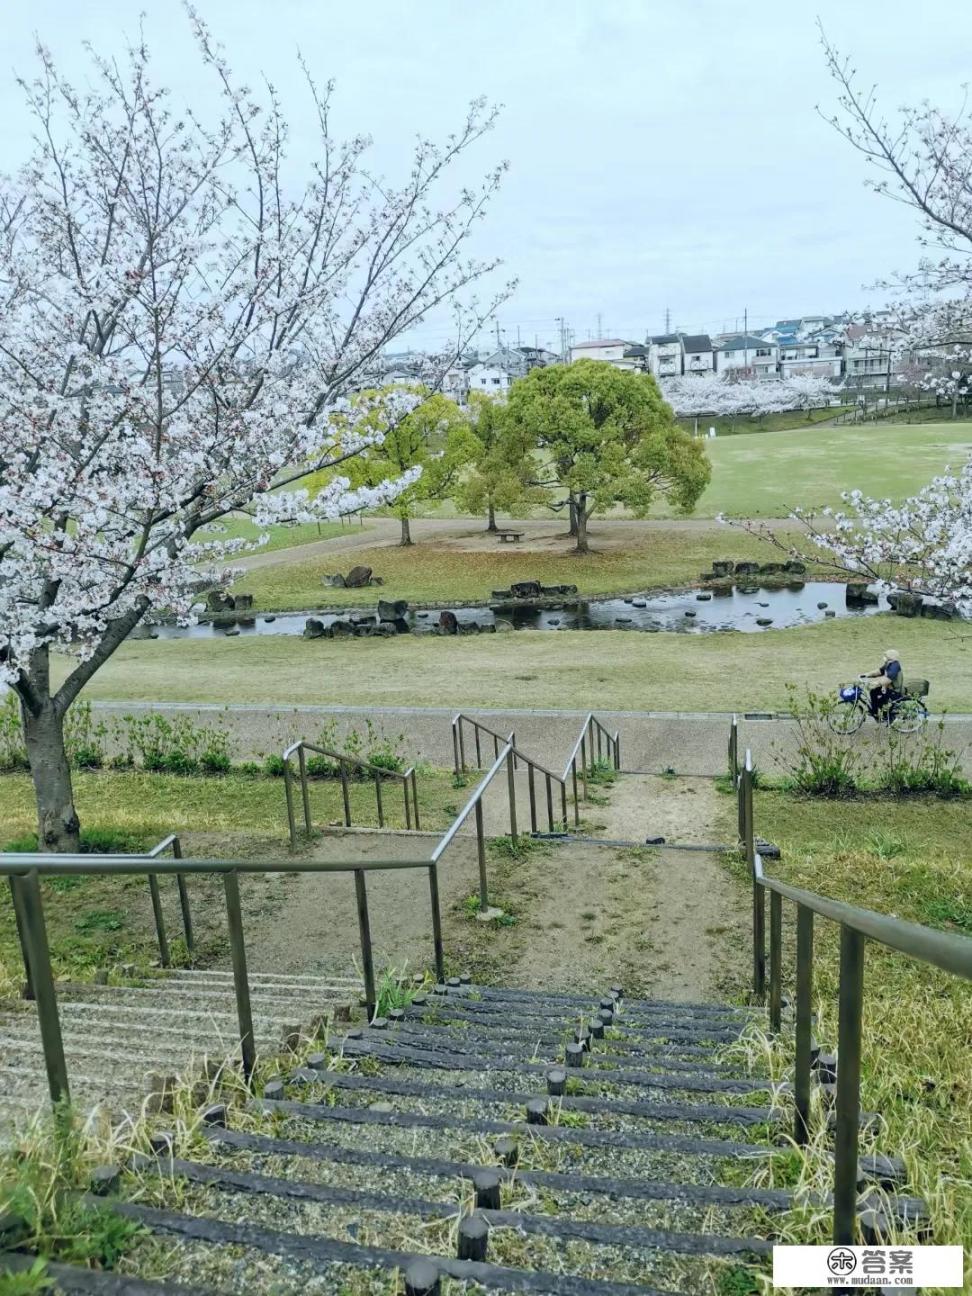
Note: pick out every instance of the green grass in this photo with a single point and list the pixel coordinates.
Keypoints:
(916, 1058)
(789, 420)
(96, 922)
(238, 527)
(572, 670)
(431, 573)
(764, 474)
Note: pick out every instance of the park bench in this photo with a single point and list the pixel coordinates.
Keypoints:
(509, 537)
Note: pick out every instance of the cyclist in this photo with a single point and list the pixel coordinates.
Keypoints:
(888, 682)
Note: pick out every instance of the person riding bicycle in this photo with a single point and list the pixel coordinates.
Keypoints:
(888, 682)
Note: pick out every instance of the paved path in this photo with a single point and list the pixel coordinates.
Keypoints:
(693, 743)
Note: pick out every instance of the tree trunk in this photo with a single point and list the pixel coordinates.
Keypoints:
(58, 827)
(491, 517)
(580, 512)
(406, 533)
(572, 505)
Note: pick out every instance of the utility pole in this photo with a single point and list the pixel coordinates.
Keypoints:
(668, 319)
(746, 337)
(600, 332)
(517, 335)
(563, 338)
(498, 343)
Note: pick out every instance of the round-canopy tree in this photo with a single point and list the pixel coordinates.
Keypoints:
(428, 448)
(180, 318)
(504, 466)
(609, 438)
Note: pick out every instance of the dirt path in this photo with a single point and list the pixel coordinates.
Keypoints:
(682, 810)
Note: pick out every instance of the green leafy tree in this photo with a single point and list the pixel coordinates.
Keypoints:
(435, 438)
(609, 438)
(504, 467)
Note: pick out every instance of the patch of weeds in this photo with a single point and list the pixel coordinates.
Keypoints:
(588, 915)
(594, 939)
(394, 990)
(460, 781)
(601, 771)
(949, 913)
(519, 848)
(886, 845)
(570, 1119)
(450, 810)
(100, 920)
(737, 1282)
(94, 841)
(34, 1279)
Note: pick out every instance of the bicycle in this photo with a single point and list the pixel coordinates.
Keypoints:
(905, 712)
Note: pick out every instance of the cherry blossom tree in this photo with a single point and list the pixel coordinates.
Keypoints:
(182, 320)
(695, 395)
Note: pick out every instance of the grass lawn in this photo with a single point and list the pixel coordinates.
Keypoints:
(431, 573)
(614, 670)
(913, 859)
(238, 527)
(764, 474)
(93, 922)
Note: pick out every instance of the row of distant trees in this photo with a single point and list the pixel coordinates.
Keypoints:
(584, 436)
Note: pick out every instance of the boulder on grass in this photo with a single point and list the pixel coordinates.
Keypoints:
(217, 601)
(340, 629)
(313, 629)
(746, 568)
(798, 568)
(503, 627)
(337, 580)
(906, 604)
(772, 568)
(526, 589)
(722, 568)
(392, 610)
(502, 595)
(358, 578)
(242, 601)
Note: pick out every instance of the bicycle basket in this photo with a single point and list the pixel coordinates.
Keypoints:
(849, 693)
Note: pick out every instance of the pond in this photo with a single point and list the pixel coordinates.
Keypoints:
(697, 611)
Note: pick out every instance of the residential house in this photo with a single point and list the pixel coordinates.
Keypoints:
(820, 359)
(747, 356)
(490, 379)
(665, 355)
(697, 354)
(610, 349)
(870, 354)
(538, 357)
(455, 383)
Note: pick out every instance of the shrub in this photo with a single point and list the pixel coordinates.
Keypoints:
(176, 746)
(322, 767)
(824, 763)
(94, 841)
(13, 753)
(273, 766)
(921, 764)
(250, 768)
(83, 739)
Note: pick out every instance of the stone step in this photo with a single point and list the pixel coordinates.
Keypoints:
(686, 1028)
(636, 1008)
(313, 1252)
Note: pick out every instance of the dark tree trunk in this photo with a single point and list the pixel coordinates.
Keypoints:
(572, 506)
(580, 514)
(406, 533)
(58, 827)
(491, 517)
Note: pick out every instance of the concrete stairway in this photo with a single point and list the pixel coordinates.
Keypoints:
(469, 1140)
(121, 1041)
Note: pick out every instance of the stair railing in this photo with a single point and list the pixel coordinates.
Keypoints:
(165, 956)
(556, 822)
(952, 953)
(594, 743)
(460, 723)
(345, 763)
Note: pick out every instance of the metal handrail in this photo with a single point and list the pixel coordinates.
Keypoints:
(950, 952)
(591, 730)
(344, 761)
(533, 768)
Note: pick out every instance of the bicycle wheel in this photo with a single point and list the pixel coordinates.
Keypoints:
(908, 716)
(847, 717)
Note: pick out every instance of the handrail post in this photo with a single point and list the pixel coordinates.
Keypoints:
(573, 775)
(776, 963)
(39, 958)
(583, 752)
(479, 751)
(289, 794)
(563, 804)
(804, 1007)
(18, 909)
(344, 793)
(462, 749)
(364, 929)
(408, 804)
(550, 814)
(456, 722)
(481, 852)
(511, 789)
(512, 741)
(164, 959)
(532, 791)
(184, 901)
(847, 1133)
(617, 750)
(436, 923)
(381, 813)
(304, 789)
(241, 983)
(415, 807)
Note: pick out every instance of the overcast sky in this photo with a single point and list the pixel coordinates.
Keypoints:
(662, 155)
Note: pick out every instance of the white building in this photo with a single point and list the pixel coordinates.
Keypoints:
(489, 379)
(869, 356)
(665, 355)
(455, 384)
(747, 356)
(611, 349)
(817, 359)
(697, 354)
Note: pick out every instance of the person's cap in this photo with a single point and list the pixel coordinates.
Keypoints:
(891, 654)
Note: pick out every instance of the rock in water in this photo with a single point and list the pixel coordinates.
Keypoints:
(340, 629)
(358, 577)
(448, 623)
(313, 629)
(389, 610)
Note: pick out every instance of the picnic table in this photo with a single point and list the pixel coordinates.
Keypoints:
(509, 537)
